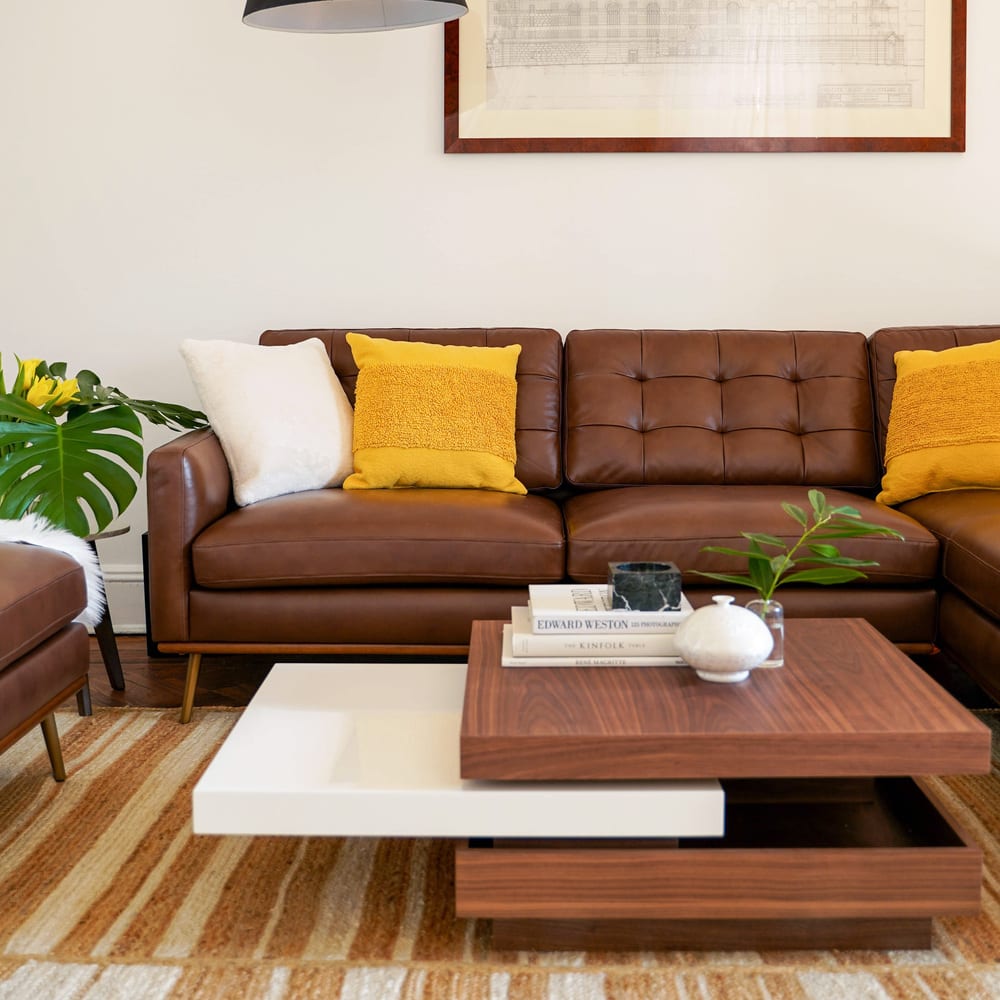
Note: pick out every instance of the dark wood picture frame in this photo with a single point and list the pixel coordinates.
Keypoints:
(455, 142)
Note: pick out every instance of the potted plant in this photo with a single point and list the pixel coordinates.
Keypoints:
(71, 448)
(811, 558)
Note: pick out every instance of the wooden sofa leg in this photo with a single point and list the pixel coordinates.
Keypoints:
(190, 685)
(51, 736)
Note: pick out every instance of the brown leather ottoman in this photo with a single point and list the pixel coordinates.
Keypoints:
(44, 655)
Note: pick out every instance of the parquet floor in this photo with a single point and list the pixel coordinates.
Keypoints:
(158, 681)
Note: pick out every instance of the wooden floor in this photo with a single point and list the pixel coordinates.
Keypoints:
(158, 681)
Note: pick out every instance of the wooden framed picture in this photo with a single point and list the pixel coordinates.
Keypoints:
(527, 76)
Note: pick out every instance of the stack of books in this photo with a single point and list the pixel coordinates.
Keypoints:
(574, 625)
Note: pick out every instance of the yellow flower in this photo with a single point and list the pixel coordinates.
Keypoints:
(69, 392)
(28, 369)
(41, 391)
(59, 392)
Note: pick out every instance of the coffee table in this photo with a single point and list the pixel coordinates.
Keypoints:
(372, 750)
(829, 842)
(632, 807)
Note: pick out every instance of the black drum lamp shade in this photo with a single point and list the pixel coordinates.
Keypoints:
(349, 15)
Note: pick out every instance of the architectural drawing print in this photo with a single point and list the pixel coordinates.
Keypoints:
(749, 56)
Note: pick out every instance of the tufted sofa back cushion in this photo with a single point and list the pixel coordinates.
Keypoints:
(539, 383)
(719, 407)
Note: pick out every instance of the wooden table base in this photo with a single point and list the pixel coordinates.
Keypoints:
(708, 935)
(857, 871)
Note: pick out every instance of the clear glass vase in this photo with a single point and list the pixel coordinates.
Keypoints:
(773, 616)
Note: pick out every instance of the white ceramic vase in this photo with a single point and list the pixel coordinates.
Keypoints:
(723, 642)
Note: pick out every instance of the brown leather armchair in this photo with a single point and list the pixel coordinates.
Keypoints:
(44, 654)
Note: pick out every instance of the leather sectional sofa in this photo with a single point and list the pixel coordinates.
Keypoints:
(634, 444)
(965, 523)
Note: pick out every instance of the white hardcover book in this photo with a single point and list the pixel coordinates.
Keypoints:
(525, 642)
(508, 659)
(584, 607)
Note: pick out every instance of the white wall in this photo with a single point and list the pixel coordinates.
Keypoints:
(167, 172)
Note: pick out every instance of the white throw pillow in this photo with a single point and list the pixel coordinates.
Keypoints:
(280, 413)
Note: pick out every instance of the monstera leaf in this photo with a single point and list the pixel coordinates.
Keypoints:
(89, 462)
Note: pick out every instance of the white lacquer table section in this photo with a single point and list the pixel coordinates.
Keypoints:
(372, 749)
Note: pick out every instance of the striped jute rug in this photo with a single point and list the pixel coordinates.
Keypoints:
(105, 893)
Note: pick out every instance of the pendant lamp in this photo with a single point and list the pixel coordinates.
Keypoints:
(349, 15)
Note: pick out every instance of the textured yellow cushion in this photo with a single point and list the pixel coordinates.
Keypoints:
(433, 415)
(944, 426)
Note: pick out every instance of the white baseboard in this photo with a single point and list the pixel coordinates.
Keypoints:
(123, 585)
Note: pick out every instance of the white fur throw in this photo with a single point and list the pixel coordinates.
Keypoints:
(36, 530)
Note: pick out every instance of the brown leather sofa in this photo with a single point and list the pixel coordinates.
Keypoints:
(354, 571)
(634, 444)
(966, 523)
(44, 655)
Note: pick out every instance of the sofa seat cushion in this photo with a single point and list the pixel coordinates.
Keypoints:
(342, 537)
(41, 591)
(967, 525)
(673, 523)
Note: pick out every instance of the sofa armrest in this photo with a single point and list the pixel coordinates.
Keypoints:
(188, 486)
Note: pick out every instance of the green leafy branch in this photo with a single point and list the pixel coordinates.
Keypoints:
(765, 572)
(93, 394)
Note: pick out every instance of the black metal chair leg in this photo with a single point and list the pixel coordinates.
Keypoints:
(83, 705)
(105, 633)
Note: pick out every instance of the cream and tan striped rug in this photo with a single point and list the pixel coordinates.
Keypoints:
(105, 894)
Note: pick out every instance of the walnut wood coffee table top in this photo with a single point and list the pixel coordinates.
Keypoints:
(846, 703)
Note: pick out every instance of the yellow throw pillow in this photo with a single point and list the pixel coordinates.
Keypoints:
(433, 415)
(944, 425)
